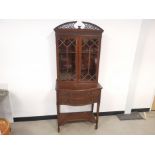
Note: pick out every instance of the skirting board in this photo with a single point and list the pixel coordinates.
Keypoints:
(36, 118)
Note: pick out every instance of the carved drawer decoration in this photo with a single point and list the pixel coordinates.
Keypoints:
(78, 97)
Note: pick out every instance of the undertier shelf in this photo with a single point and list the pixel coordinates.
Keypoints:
(76, 116)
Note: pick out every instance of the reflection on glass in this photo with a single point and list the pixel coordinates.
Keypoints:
(89, 59)
(67, 58)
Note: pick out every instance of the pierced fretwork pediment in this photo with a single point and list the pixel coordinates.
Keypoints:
(74, 26)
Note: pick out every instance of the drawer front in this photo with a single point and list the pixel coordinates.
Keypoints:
(77, 98)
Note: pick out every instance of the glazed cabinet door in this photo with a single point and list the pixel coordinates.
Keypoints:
(89, 58)
(66, 57)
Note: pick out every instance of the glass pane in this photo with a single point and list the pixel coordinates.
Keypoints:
(67, 51)
(89, 51)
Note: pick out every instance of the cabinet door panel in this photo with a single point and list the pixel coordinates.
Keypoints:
(67, 58)
(89, 59)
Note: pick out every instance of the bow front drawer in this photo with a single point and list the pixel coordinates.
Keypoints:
(78, 97)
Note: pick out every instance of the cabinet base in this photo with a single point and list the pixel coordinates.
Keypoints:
(76, 116)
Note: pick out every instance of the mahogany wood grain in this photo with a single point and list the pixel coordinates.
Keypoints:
(78, 54)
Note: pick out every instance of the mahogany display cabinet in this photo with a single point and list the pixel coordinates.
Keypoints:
(78, 55)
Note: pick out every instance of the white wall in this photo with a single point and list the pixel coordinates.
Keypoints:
(28, 64)
(145, 86)
(117, 55)
(27, 57)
